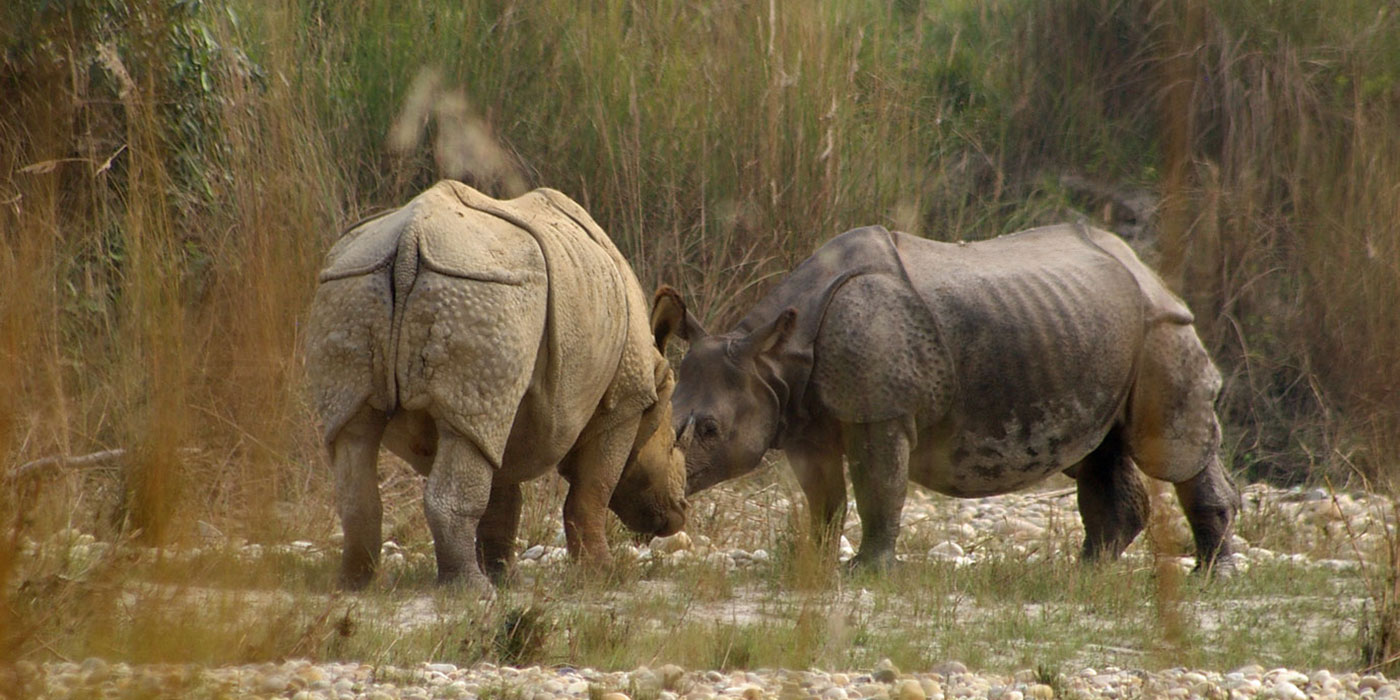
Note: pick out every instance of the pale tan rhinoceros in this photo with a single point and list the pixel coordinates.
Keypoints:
(972, 369)
(487, 342)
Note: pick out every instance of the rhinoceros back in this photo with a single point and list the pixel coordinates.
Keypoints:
(585, 337)
(476, 310)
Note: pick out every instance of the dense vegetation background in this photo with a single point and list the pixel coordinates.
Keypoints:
(171, 173)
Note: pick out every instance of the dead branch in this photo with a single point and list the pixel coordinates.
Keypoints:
(95, 460)
(87, 461)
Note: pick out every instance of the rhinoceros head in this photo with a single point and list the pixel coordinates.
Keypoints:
(724, 409)
(650, 495)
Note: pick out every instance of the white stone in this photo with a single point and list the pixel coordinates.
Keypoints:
(273, 684)
(1040, 691)
(1338, 564)
(674, 543)
(910, 690)
(885, 671)
(946, 550)
(719, 561)
(1285, 690)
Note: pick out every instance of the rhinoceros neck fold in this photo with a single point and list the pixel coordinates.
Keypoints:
(809, 288)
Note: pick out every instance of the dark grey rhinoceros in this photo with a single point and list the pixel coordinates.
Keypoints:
(972, 369)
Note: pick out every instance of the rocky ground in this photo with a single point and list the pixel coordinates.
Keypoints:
(303, 680)
(1339, 532)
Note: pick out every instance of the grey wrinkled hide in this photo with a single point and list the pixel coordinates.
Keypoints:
(488, 342)
(972, 369)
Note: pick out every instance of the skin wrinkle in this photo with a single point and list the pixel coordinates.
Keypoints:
(1010, 359)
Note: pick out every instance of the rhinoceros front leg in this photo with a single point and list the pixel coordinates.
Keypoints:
(879, 463)
(592, 472)
(819, 471)
(458, 490)
(1113, 502)
(354, 467)
(495, 534)
(1211, 502)
(1174, 435)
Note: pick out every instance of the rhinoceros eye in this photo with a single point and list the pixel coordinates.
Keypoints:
(707, 429)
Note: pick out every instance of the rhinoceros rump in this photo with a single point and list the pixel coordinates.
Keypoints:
(972, 369)
(487, 342)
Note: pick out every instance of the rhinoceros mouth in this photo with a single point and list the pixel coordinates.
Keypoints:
(673, 523)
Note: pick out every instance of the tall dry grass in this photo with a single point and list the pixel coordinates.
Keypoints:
(1298, 171)
(1272, 131)
(164, 210)
(171, 173)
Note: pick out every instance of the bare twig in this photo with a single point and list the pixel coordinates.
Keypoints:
(94, 460)
(87, 461)
(1052, 495)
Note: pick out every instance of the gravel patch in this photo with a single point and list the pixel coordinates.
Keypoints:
(303, 680)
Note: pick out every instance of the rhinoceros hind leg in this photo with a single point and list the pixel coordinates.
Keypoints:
(1210, 502)
(1113, 502)
(879, 466)
(354, 455)
(495, 535)
(454, 500)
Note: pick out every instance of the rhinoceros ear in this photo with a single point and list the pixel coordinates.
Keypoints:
(669, 317)
(770, 336)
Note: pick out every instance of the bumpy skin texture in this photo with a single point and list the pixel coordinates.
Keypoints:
(971, 369)
(487, 342)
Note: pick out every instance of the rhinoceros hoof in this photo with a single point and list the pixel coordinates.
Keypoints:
(467, 583)
(1222, 569)
(877, 563)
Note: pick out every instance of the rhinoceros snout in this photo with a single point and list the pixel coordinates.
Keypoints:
(674, 520)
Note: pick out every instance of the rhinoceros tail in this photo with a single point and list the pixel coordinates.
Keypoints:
(348, 339)
(402, 275)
